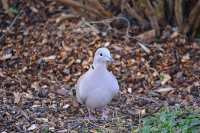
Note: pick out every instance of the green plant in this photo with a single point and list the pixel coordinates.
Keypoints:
(172, 120)
(13, 10)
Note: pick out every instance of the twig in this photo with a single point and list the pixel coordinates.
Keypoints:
(10, 26)
(149, 114)
(91, 26)
(109, 20)
(147, 50)
(148, 99)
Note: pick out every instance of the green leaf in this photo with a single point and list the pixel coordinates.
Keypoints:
(13, 10)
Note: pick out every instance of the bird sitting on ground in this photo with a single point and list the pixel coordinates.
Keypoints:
(97, 86)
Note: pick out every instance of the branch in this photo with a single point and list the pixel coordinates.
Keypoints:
(178, 13)
(76, 5)
(134, 14)
(10, 26)
(95, 4)
(192, 17)
(150, 13)
(196, 26)
(169, 7)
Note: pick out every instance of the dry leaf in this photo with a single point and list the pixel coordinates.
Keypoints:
(70, 63)
(174, 35)
(64, 17)
(66, 48)
(165, 89)
(66, 106)
(42, 120)
(6, 56)
(32, 127)
(34, 9)
(17, 97)
(107, 44)
(129, 90)
(147, 36)
(147, 50)
(67, 78)
(62, 91)
(164, 78)
(35, 85)
(141, 112)
(185, 57)
(63, 131)
(1, 73)
(52, 57)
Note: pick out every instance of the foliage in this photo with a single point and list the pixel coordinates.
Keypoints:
(13, 10)
(171, 120)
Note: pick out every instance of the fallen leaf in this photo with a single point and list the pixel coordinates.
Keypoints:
(43, 92)
(52, 57)
(164, 89)
(62, 91)
(17, 97)
(35, 85)
(28, 95)
(34, 9)
(174, 35)
(1, 73)
(75, 104)
(147, 50)
(70, 63)
(67, 78)
(129, 90)
(52, 129)
(62, 131)
(6, 56)
(66, 106)
(185, 57)
(147, 36)
(32, 127)
(66, 48)
(42, 119)
(141, 112)
(164, 78)
(107, 44)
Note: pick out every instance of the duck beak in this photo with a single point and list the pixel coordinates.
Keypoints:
(109, 59)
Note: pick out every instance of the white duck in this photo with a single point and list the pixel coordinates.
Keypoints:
(97, 86)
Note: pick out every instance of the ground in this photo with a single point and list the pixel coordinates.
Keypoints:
(43, 55)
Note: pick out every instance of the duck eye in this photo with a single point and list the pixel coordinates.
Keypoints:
(101, 54)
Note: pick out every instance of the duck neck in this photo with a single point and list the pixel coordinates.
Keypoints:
(99, 66)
